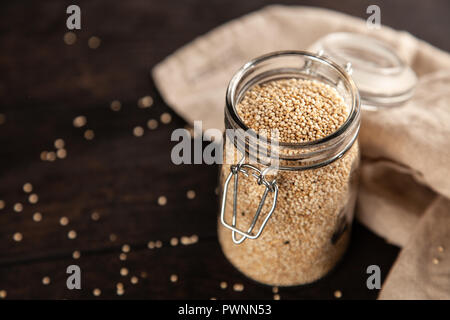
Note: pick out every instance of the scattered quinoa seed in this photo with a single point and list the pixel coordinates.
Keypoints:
(96, 292)
(43, 155)
(76, 254)
(59, 143)
(51, 156)
(94, 42)
(70, 38)
(173, 278)
(174, 242)
(79, 121)
(61, 153)
(17, 237)
(123, 272)
(64, 221)
(145, 102)
(152, 124)
(165, 118)
(116, 105)
(338, 294)
(89, 134)
(238, 287)
(162, 200)
(46, 281)
(18, 207)
(190, 194)
(72, 234)
(37, 217)
(138, 131)
(33, 198)
(27, 187)
(95, 216)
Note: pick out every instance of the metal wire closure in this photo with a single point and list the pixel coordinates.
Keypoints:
(260, 178)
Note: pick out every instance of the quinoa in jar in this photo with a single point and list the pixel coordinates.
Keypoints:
(291, 225)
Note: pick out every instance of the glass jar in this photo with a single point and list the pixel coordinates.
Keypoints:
(286, 213)
(383, 79)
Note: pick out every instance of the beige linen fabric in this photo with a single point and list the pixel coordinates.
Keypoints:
(422, 270)
(406, 150)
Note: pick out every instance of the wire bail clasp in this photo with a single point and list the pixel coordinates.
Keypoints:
(271, 186)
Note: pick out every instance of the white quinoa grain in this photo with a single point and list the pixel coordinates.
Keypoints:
(174, 241)
(17, 237)
(94, 42)
(70, 38)
(46, 281)
(138, 131)
(79, 121)
(162, 200)
(18, 207)
(165, 118)
(116, 105)
(190, 194)
(152, 124)
(145, 102)
(238, 287)
(76, 254)
(96, 292)
(27, 187)
(338, 294)
(123, 272)
(89, 134)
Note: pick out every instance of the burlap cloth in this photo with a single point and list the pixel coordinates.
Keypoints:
(406, 150)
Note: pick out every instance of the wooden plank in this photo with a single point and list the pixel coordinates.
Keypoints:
(45, 84)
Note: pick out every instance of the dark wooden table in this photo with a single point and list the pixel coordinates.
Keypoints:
(46, 83)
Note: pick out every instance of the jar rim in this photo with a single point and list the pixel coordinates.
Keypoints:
(237, 77)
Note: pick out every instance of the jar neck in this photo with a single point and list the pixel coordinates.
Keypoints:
(292, 156)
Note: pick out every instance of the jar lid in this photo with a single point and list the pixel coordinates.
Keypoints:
(382, 78)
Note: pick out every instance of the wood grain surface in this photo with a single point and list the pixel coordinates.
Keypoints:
(46, 83)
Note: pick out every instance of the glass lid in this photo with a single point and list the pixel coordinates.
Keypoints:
(382, 78)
